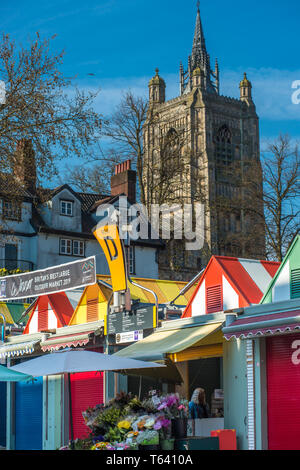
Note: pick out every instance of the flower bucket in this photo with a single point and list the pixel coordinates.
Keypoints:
(150, 444)
(179, 428)
(149, 447)
(167, 444)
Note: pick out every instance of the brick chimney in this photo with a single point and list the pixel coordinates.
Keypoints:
(25, 165)
(124, 181)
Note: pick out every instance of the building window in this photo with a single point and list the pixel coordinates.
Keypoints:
(65, 246)
(71, 247)
(78, 248)
(130, 258)
(223, 151)
(11, 256)
(66, 208)
(12, 210)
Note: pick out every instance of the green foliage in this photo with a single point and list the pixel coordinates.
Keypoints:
(8, 272)
(114, 434)
(134, 405)
(108, 418)
(83, 444)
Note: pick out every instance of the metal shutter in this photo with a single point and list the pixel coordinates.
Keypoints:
(92, 310)
(43, 313)
(3, 414)
(29, 415)
(87, 391)
(250, 394)
(295, 284)
(214, 299)
(283, 383)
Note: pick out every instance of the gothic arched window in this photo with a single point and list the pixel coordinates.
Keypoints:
(171, 149)
(172, 140)
(223, 149)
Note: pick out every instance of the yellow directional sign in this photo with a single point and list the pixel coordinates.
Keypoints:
(109, 238)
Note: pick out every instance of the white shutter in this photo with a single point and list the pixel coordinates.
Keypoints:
(250, 395)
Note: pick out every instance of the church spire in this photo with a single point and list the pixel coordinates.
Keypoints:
(199, 46)
(199, 59)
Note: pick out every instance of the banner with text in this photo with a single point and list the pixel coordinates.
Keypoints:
(50, 280)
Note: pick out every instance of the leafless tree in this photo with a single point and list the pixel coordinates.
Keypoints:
(42, 106)
(44, 118)
(281, 194)
(124, 129)
(266, 200)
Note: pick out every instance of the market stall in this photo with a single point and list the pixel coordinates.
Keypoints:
(270, 333)
(194, 349)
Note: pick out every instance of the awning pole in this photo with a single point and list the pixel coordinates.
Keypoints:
(151, 292)
(140, 387)
(187, 287)
(4, 327)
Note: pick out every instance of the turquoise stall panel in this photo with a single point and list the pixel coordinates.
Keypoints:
(29, 415)
(2, 414)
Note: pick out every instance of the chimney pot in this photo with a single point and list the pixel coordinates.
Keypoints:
(124, 181)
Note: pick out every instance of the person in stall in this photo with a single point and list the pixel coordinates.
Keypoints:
(198, 407)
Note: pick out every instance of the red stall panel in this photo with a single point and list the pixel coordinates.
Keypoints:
(87, 391)
(283, 382)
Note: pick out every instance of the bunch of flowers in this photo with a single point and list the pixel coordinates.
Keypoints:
(103, 446)
(108, 419)
(148, 437)
(173, 407)
(8, 272)
(101, 419)
(127, 422)
(143, 422)
(90, 416)
(163, 425)
(122, 446)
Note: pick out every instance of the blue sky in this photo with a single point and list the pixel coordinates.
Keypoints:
(121, 42)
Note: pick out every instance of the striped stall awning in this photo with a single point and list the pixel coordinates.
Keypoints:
(263, 325)
(55, 343)
(73, 336)
(18, 349)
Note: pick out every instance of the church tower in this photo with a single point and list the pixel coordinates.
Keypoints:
(157, 89)
(197, 148)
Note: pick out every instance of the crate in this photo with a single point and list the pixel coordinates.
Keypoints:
(227, 439)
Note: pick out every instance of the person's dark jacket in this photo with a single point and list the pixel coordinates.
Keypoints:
(198, 411)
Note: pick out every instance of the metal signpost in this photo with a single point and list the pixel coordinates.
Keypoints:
(130, 326)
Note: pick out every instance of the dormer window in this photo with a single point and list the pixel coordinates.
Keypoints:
(66, 208)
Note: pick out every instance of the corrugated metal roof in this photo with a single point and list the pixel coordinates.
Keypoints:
(59, 303)
(13, 312)
(250, 278)
(293, 249)
(165, 290)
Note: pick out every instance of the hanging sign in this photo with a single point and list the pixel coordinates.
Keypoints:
(131, 337)
(127, 322)
(109, 238)
(50, 280)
